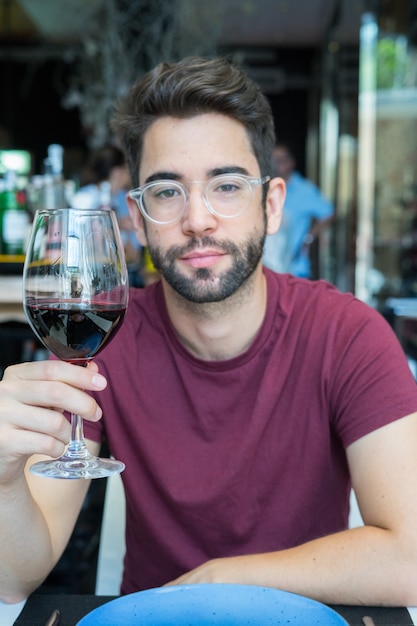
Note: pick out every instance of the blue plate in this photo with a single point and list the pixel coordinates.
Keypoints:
(216, 604)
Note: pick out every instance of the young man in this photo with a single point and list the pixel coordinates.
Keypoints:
(244, 403)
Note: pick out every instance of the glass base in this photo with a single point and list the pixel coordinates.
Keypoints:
(68, 467)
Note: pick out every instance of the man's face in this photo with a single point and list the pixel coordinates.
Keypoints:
(203, 257)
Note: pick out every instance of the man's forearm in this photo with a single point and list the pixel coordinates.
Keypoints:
(25, 544)
(364, 565)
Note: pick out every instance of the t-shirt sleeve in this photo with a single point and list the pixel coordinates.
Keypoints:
(371, 382)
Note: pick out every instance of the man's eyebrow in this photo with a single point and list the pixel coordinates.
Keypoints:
(162, 176)
(229, 169)
(217, 171)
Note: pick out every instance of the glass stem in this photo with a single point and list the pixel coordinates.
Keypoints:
(76, 447)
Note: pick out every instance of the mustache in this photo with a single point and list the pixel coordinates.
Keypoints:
(204, 242)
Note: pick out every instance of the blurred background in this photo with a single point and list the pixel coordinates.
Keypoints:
(341, 77)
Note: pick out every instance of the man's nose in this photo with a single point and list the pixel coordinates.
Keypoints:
(197, 218)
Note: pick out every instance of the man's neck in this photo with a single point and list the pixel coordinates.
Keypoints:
(219, 330)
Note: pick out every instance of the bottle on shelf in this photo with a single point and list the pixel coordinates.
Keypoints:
(55, 157)
(14, 221)
(34, 192)
(53, 189)
(48, 196)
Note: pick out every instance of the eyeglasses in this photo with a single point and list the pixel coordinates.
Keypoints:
(226, 196)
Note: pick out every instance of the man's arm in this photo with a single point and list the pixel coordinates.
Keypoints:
(37, 515)
(373, 565)
(36, 521)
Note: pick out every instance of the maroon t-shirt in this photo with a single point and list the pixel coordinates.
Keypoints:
(245, 455)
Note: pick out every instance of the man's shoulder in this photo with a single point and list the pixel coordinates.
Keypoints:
(289, 283)
(316, 297)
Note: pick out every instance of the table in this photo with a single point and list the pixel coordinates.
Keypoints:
(39, 606)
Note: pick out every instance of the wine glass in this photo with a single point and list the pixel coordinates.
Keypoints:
(75, 297)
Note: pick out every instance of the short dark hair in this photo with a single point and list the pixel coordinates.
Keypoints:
(191, 87)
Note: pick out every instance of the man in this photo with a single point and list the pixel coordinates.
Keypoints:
(306, 213)
(244, 403)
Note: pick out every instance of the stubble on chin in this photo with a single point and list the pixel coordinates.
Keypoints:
(204, 286)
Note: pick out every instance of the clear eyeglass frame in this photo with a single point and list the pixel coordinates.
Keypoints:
(174, 195)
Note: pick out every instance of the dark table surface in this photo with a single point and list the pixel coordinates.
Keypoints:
(73, 607)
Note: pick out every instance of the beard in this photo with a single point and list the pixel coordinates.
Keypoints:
(205, 285)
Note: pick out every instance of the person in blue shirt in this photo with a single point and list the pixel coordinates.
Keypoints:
(306, 213)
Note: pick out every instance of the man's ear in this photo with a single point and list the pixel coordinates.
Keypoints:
(275, 204)
(138, 220)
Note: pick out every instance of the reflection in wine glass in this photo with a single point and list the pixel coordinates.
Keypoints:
(75, 298)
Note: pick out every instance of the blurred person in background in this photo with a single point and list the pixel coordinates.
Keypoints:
(105, 181)
(306, 214)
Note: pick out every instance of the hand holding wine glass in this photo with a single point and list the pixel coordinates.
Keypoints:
(75, 297)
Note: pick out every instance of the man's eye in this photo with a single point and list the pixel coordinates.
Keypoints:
(227, 187)
(165, 193)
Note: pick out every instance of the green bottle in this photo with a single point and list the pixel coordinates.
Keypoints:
(15, 221)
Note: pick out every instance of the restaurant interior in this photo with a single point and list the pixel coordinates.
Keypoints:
(341, 77)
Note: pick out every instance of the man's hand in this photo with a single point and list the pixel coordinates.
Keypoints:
(214, 571)
(33, 398)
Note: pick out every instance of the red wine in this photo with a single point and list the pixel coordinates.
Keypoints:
(74, 332)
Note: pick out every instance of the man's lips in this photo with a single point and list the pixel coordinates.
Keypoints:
(202, 258)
